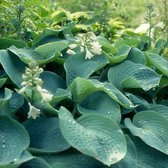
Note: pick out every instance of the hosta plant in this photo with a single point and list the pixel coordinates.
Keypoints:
(82, 102)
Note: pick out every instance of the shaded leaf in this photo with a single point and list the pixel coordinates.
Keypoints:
(45, 135)
(100, 103)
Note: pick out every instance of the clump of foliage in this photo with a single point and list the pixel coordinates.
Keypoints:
(78, 100)
(80, 94)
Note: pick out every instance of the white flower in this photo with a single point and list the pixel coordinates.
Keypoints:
(71, 52)
(45, 94)
(96, 48)
(89, 55)
(72, 46)
(33, 112)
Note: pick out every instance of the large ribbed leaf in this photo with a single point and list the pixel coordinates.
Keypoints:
(77, 65)
(149, 157)
(81, 88)
(27, 55)
(74, 160)
(159, 62)
(100, 103)
(94, 135)
(151, 127)
(13, 66)
(51, 48)
(45, 135)
(132, 75)
(13, 140)
(160, 109)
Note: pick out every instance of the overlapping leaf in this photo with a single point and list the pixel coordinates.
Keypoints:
(100, 103)
(151, 127)
(131, 75)
(159, 62)
(81, 88)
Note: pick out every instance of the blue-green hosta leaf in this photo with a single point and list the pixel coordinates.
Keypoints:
(35, 163)
(13, 140)
(81, 88)
(130, 159)
(151, 127)
(45, 135)
(132, 75)
(52, 81)
(160, 109)
(13, 66)
(28, 55)
(137, 56)
(140, 103)
(16, 101)
(120, 55)
(100, 103)
(77, 65)
(94, 135)
(51, 48)
(60, 95)
(159, 62)
(149, 157)
(74, 160)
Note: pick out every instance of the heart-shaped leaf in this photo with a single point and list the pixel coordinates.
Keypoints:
(94, 135)
(151, 127)
(132, 75)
